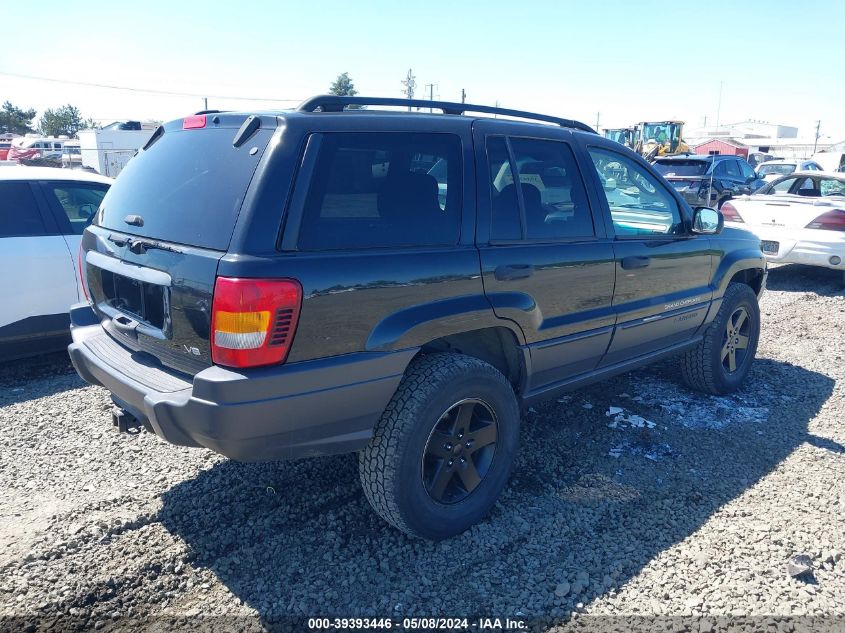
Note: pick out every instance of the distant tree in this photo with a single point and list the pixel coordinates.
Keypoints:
(89, 124)
(343, 86)
(13, 120)
(66, 120)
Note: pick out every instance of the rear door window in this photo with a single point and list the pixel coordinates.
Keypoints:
(19, 215)
(76, 204)
(553, 195)
(383, 189)
(732, 169)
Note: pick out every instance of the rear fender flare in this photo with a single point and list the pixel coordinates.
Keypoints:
(417, 325)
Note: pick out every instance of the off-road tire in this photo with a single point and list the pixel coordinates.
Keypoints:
(390, 466)
(701, 366)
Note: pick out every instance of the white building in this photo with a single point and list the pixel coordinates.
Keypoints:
(108, 149)
(761, 136)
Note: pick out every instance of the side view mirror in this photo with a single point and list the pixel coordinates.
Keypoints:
(707, 221)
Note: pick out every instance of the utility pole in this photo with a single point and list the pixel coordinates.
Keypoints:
(430, 94)
(598, 117)
(463, 96)
(205, 103)
(816, 142)
(719, 107)
(410, 83)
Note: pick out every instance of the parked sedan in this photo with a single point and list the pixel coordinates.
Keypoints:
(709, 180)
(43, 212)
(800, 219)
(774, 169)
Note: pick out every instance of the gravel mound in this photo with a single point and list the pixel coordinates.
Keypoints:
(676, 505)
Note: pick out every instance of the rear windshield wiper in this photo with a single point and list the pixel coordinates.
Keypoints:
(141, 246)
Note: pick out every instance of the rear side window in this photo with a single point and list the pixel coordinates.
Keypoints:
(188, 186)
(76, 202)
(19, 215)
(383, 189)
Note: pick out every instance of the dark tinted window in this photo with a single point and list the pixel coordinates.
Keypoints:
(681, 167)
(76, 202)
(505, 219)
(553, 194)
(639, 203)
(374, 190)
(188, 186)
(732, 169)
(19, 216)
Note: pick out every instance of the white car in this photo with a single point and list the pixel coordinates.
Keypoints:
(43, 212)
(773, 169)
(800, 219)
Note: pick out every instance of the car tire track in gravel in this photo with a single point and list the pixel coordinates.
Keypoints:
(685, 505)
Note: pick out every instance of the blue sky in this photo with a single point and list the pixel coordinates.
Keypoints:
(628, 61)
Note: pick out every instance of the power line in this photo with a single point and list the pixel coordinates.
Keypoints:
(144, 90)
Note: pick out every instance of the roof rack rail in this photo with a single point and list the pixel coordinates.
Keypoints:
(334, 103)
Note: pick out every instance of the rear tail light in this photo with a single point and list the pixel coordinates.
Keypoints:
(253, 320)
(830, 221)
(193, 122)
(80, 266)
(730, 213)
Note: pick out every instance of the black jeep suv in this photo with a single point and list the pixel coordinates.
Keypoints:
(324, 280)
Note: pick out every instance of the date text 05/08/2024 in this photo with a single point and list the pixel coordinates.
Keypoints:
(410, 624)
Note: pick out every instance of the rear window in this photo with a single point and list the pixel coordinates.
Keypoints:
(669, 168)
(383, 189)
(188, 187)
(780, 169)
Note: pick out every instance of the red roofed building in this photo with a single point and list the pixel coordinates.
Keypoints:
(718, 146)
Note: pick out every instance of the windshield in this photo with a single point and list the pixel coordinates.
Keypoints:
(660, 132)
(669, 168)
(780, 169)
(188, 187)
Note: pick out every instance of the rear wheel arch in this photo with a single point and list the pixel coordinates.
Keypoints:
(497, 346)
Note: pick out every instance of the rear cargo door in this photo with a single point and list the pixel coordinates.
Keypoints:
(151, 258)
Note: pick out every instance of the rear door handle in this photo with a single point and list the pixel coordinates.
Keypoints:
(514, 271)
(635, 261)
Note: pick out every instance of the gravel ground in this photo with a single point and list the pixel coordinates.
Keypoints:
(675, 504)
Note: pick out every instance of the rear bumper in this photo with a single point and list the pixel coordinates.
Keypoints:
(805, 246)
(304, 409)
